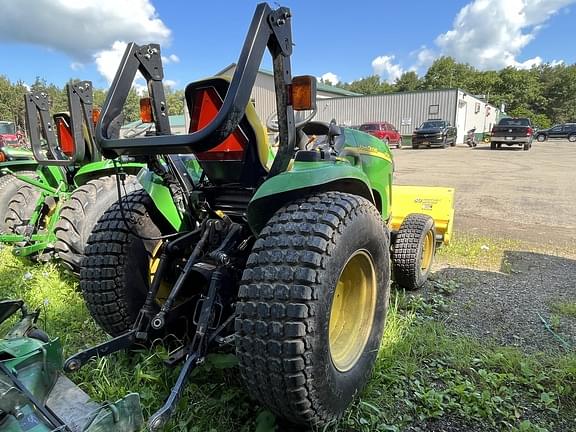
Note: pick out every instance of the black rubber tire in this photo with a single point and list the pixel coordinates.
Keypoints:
(492, 146)
(80, 213)
(399, 145)
(407, 251)
(526, 146)
(285, 300)
(453, 143)
(540, 137)
(444, 143)
(114, 274)
(415, 146)
(572, 137)
(21, 208)
(38, 334)
(386, 141)
(9, 185)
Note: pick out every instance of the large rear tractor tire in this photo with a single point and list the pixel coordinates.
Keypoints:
(413, 251)
(115, 271)
(21, 209)
(80, 213)
(312, 306)
(9, 185)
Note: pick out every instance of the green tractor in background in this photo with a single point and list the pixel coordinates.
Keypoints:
(283, 256)
(53, 209)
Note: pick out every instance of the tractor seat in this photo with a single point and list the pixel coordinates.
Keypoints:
(243, 156)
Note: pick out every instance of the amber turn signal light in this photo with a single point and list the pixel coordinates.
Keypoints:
(304, 93)
(146, 110)
(95, 115)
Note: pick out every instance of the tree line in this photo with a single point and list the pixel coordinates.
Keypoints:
(12, 99)
(545, 93)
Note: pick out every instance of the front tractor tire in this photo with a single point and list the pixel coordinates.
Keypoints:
(312, 306)
(413, 251)
(115, 271)
(81, 212)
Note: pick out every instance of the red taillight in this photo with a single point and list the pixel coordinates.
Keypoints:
(529, 132)
(65, 137)
(207, 103)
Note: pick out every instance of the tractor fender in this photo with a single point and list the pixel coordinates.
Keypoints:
(161, 197)
(104, 168)
(305, 178)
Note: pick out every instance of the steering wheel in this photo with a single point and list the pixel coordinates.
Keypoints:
(272, 121)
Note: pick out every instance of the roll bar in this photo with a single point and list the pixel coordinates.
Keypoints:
(80, 111)
(269, 29)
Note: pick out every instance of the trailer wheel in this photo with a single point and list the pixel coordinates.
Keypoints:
(9, 185)
(413, 251)
(115, 271)
(79, 215)
(312, 306)
(21, 209)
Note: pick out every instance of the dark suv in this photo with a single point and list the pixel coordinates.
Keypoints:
(434, 133)
(561, 131)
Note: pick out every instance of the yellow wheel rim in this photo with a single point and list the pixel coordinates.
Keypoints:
(427, 251)
(352, 311)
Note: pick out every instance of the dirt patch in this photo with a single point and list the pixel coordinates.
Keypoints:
(510, 305)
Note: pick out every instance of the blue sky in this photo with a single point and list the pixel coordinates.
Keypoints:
(351, 41)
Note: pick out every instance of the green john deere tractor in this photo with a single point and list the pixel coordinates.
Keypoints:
(282, 256)
(52, 210)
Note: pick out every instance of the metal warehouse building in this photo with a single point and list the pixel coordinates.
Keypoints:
(408, 110)
(405, 110)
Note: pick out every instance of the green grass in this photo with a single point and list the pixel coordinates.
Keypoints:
(567, 309)
(423, 373)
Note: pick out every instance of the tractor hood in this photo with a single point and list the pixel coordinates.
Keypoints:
(36, 396)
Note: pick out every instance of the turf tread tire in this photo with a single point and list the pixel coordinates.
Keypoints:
(79, 215)
(407, 251)
(278, 336)
(113, 276)
(21, 208)
(9, 185)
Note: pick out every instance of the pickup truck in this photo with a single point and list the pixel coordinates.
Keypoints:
(434, 133)
(512, 131)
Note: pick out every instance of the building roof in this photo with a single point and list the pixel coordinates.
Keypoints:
(320, 86)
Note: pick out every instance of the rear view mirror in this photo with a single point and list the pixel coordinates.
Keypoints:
(303, 92)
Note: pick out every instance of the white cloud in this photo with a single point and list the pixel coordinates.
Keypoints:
(170, 83)
(491, 34)
(172, 58)
(80, 28)
(84, 29)
(386, 68)
(329, 76)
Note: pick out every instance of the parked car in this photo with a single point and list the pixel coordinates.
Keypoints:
(512, 131)
(385, 131)
(434, 133)
(561, 131)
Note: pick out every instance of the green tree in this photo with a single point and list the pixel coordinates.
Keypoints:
(408, 81)
(175, 101)
(368, 86)
(445, 73)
